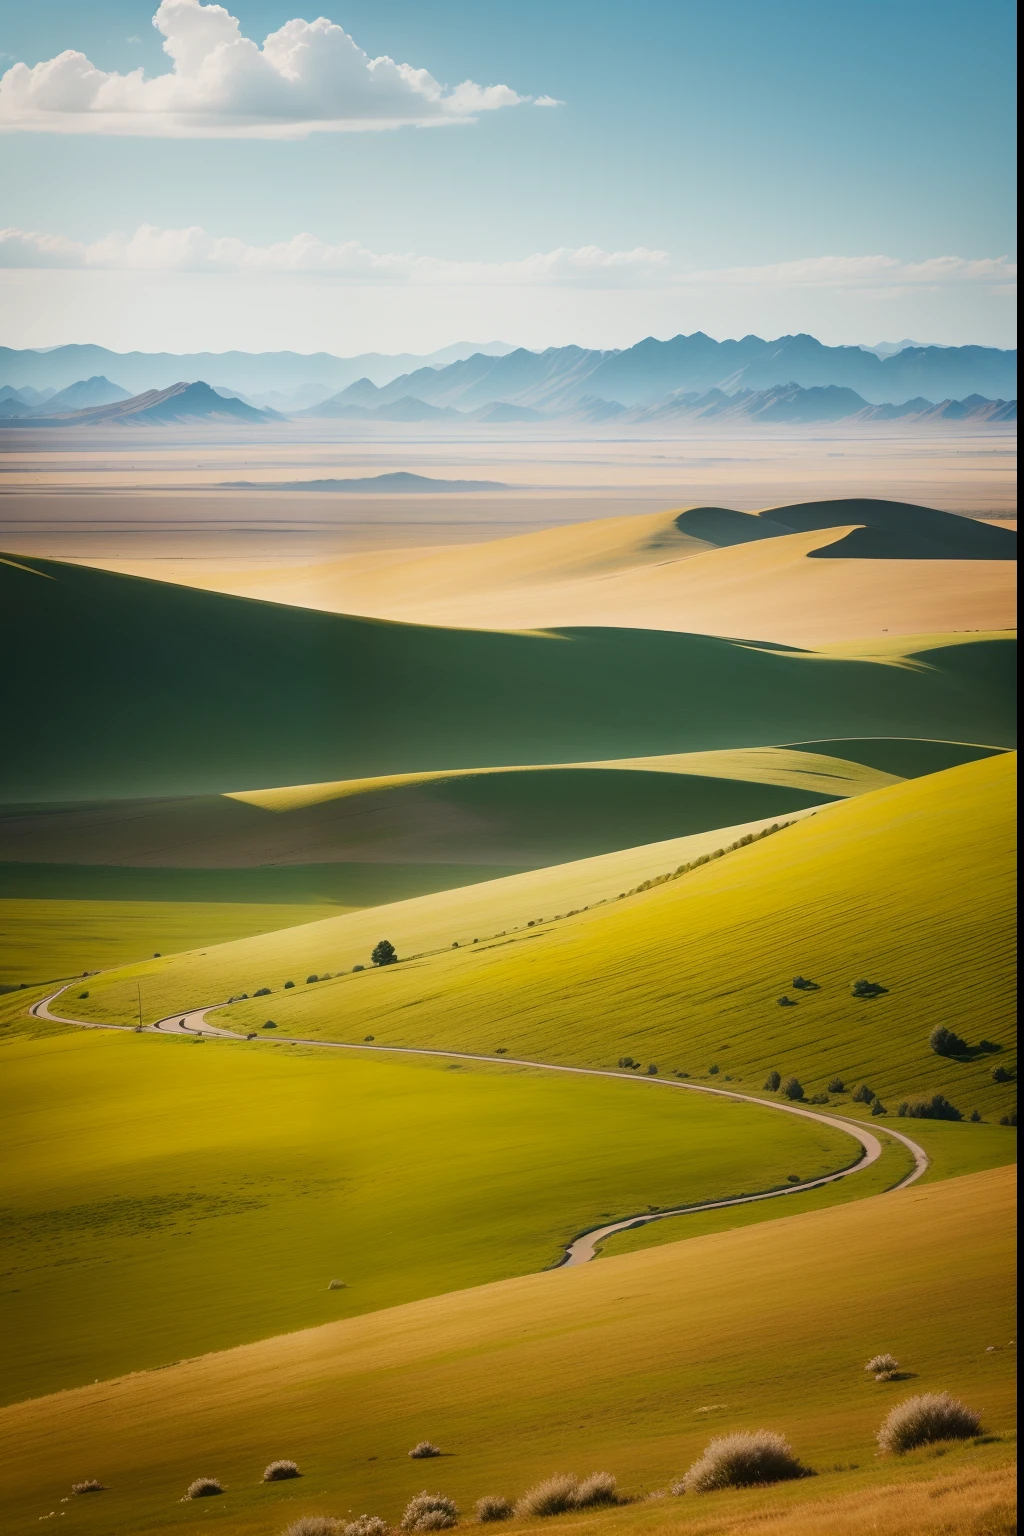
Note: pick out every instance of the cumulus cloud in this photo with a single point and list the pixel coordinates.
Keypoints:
(307, 77)
(193, 250)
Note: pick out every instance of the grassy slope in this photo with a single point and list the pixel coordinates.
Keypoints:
(133, 687)
(911, 886)
(629, 1364)
(41, 939)
(188, 1198)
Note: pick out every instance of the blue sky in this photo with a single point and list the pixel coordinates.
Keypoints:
(723, 142)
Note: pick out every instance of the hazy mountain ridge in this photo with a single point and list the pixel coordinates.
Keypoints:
(560, 378)
(181, 402)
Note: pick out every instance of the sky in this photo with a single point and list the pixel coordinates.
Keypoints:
(399, 176)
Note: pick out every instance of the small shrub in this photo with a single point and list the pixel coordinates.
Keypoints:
(937, 1107)
(316, 1525)
(1010, 1119)
(819, 1098)
(597, 1489)
(867, 989)
(553, 1496)
(204, 1488)
(423, 1449)
(714, 1070)
(288, 984)
(863, 1094)
(493, 1507)
(999, 1074)
(311, 979)
(280, 1471)
(652, 1070)
(384, 953)
(269, 1025)
(359, 968)
(883, 1362)
(975, 1117)
(878, 1108)
(944, 1043)
(772, 1082)
(803, 985)
(262, 992)
(925, 1419)
(743, 1460)
(82, 995)
(430, 1512)
(785, 1002)
(367, 1525)
(792, 1088)
(89, 1486)
(369, 1037)
(836, 1085)
(625, 1062)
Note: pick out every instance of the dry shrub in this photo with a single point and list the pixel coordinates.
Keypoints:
(89, 1486)
(367, 1525)
(493, 1507)
(921, 1420)
(743, 1460)
(598, 1488)
(316, 1525)
(430, 1512)
(883, 1362)
(204, 1488)
(424, 1449)
(553, 1496)
(278, 1471)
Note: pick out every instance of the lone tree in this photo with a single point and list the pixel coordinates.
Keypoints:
(384, 953)
(945, 1043)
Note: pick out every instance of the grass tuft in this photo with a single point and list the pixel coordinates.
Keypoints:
(204, 1488)
(424, 1449)
(742, 1460)
(493, 1506)
(430, 1512)
(925, 1419)
(316, 1525)
(279, 1471)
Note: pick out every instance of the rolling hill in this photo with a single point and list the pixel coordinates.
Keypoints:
(910, 887)
(127, 687)
(810, 574)
(530, 1376)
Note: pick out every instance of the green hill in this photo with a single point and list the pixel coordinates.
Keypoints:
(132, 687)
(910, 887)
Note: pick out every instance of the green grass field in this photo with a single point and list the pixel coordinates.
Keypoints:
(165, 1198)
(119, 690)
(629, 1365)
(910, 887)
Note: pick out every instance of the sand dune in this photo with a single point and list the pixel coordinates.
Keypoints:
(735, 573)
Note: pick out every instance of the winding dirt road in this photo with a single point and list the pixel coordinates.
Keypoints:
(583, 1248)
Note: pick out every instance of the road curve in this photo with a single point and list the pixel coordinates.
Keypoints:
(583, 1248)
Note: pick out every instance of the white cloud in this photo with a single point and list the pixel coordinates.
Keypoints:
(307, 77)
(193, 250)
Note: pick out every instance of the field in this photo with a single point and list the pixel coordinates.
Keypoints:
(213, 1193)
(908, 887)
(630, 1365)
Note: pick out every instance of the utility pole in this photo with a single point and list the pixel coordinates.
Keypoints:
(138, 986)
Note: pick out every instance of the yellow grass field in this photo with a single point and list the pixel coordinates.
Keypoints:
(629, 1365)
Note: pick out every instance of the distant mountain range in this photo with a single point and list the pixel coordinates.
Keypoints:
(285, 375)
(180, 403)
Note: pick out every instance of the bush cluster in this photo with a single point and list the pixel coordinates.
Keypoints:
(555, 1495)
(945, 1043)
(937, 1107)
(743, 1460)
(280, 1471)
(493, 1507)
(367, 1525)
(316, 1525)
(925, 1419)
(705, 858)
(867, 989)
(430, 1512)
